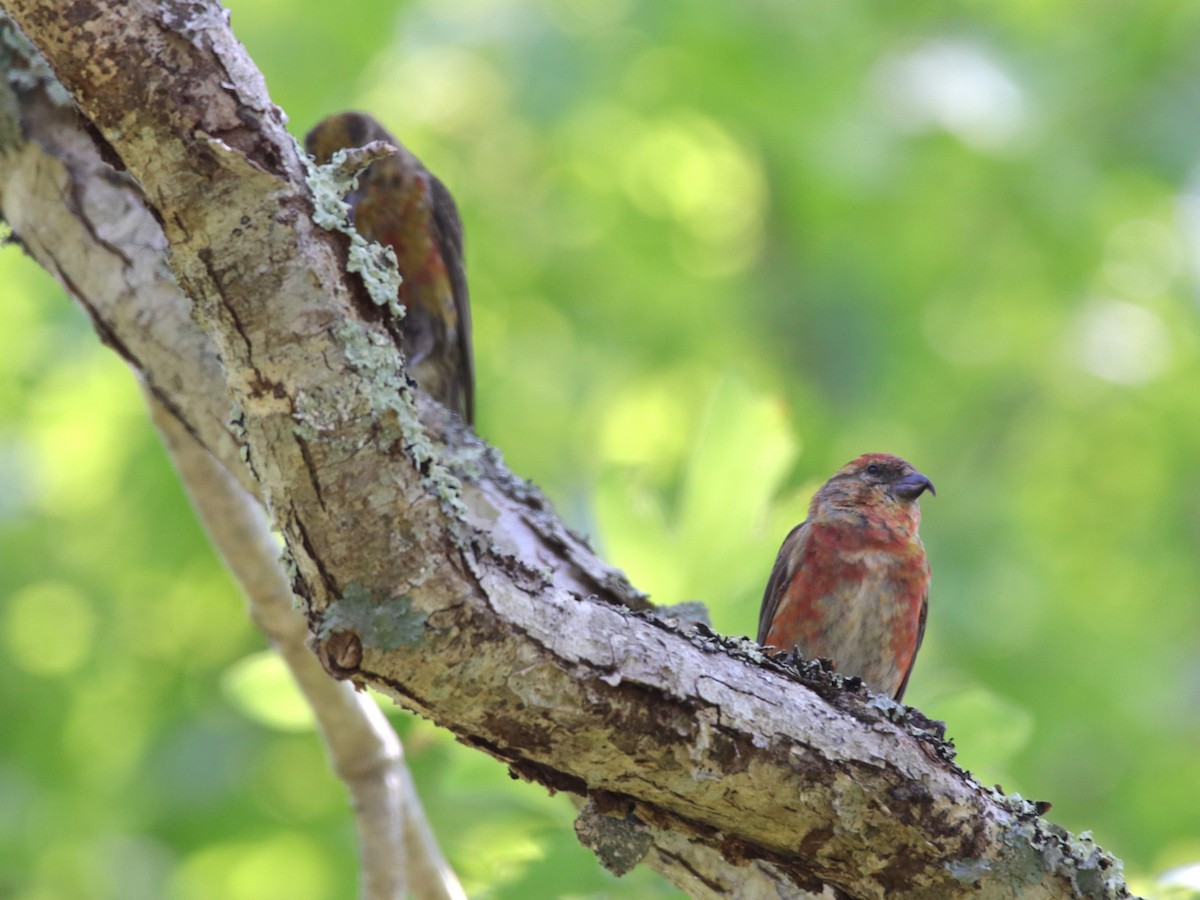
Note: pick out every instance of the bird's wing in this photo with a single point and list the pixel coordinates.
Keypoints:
(781, 575)
(449, 233)
(920, 636)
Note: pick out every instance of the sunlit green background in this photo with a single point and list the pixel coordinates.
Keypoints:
(716, 249)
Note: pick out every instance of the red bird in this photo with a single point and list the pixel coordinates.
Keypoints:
(402, 204)
(851, 583)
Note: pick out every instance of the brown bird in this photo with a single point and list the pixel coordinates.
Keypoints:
(851, 583)
(401, 204)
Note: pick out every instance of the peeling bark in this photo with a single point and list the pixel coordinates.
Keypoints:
(427, 569)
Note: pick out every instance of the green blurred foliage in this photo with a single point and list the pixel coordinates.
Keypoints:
(716, 249)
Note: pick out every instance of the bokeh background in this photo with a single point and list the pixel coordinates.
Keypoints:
(716, 250)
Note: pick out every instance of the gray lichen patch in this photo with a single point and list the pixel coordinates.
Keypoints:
(383, 624)
(375, 357)
(1034, 847)
(468, 457)
(373, 263)
(390, 396)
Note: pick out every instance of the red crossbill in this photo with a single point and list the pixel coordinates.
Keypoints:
(851, 583)
(401, 204)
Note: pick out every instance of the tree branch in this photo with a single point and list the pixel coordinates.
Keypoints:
(429, 571)
(398, 851)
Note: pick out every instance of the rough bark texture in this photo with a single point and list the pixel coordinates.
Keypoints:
(426, 569)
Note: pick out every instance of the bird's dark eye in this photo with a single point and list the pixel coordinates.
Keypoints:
(872, 469)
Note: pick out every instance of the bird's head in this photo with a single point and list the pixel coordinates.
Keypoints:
(874, 480)
(341, 132)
